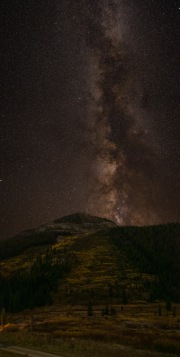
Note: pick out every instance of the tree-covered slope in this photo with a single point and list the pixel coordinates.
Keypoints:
(154, 250)
(112, 265)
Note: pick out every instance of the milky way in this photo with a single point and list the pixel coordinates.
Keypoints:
(126, 163)
(89, 111)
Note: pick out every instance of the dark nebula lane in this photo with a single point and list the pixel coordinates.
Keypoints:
(89, 111)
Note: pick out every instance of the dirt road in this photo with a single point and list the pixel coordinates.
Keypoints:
(27, 351)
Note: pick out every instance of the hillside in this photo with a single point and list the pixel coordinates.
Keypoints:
(63, 271)
(97, 260)
(48, 233)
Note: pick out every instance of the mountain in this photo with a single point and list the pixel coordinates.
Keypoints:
(49, 233)
(85, 220)
(77, 222)
(55, 277)
(81, 257)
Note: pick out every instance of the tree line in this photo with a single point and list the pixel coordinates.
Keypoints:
(14, 246)
(33, 288)
(154, 250)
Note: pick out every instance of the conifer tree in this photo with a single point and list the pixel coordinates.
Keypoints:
(89, 309)
(159, 310)
(3, 316)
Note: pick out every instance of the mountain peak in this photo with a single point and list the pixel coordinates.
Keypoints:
(83, 218)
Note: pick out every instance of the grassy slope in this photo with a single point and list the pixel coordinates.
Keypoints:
(97, 262)
(76, 347)
(22, 261)
(100, 267)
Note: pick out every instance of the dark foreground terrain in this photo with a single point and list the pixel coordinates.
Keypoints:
(82, 286)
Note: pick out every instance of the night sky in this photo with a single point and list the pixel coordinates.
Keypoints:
(89, 111)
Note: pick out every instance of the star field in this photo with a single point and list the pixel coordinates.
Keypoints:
(89, 111)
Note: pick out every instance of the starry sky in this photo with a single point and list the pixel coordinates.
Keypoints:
(89, 111)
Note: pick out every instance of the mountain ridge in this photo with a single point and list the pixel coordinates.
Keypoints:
(81, 218)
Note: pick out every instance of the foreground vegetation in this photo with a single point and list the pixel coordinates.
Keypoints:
(81, 347)
(10, 354)
(133, 326)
